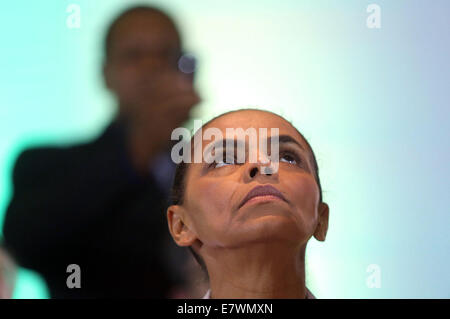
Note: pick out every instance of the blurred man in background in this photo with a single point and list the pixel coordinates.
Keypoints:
(101, 205)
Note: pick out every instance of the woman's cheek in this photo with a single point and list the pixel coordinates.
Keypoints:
(305, 194)
(217, 195)
(212, 209)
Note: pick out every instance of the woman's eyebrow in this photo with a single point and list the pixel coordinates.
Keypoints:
(288, 139)
(224, 143)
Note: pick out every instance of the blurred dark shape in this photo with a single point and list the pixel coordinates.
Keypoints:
(7, 274)
(101, 205)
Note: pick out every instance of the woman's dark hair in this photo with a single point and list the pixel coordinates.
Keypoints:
(179, 181)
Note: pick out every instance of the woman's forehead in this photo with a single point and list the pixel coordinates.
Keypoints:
(253, 119)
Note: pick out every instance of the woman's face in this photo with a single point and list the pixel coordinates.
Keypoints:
(214, 193)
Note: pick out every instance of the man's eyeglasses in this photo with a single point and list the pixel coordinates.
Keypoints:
(187, 63)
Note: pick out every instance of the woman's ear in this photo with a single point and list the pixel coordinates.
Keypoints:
(322, 226)
(178, 221)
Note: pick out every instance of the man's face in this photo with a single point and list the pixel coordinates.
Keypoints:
(141, 67)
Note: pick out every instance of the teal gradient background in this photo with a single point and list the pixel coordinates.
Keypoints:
(373, 103)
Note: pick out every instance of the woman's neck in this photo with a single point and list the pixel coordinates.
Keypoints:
(257, 271)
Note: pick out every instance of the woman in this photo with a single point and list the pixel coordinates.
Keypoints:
(248, 226)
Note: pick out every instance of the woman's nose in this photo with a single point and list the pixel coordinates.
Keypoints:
(260, 164)
(255, 170)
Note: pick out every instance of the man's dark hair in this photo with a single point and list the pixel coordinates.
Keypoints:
(179, 181)
(113, 25)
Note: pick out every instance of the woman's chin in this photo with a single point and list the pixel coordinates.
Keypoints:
(267, 227)
(271, 209)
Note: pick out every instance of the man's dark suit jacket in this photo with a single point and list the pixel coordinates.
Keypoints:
(85, 205)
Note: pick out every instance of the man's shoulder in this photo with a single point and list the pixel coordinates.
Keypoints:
(48, 155)
(44, 154)
(39, 152)
(41, 161)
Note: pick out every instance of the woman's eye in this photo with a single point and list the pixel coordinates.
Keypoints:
(288, 158)
(224, 162)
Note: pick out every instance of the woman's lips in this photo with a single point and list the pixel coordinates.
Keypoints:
(264, 198)
(262, 194)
